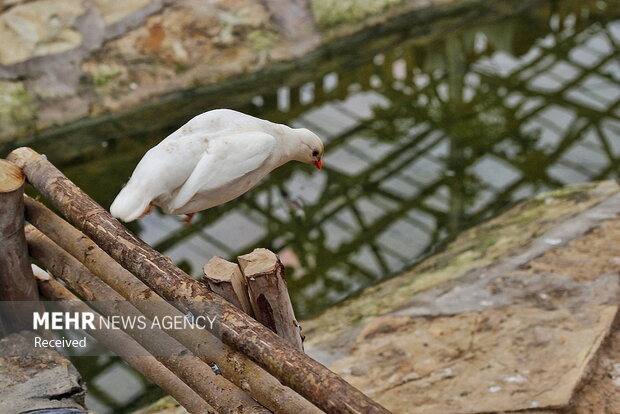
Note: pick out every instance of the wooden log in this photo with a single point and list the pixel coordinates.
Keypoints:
(303, 374)
(225, 279)
(240, 370)
(18, 288)
(129, 350)
(215, 389)
(269, 296)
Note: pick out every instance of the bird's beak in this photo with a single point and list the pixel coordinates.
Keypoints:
(318, 164)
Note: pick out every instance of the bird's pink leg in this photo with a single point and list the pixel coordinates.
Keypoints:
(188, 218)
(147, 211)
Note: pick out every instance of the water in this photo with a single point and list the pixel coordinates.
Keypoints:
(427, 132)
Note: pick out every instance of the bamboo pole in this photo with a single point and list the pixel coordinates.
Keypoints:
(18, 288)
(129, 350)
(243, 372)
(269, 297)
(308, 377)
(215, 389)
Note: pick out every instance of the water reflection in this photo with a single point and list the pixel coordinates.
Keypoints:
(431, 136)
(422, 141)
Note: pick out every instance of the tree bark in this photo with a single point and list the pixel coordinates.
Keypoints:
(18, 288)
(269, 297)
(308, 377)
(215, 389)
(237, 368)
(129, 350)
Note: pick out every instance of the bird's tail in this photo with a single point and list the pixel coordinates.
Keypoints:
(130, 203)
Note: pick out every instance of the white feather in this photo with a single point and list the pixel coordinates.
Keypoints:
(214, 158)
(39, 273)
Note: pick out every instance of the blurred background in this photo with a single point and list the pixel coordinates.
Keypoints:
(433, 122)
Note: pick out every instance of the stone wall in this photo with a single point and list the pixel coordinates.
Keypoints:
(66, 59)
(69, 60)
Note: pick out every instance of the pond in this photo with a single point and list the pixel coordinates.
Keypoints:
(428, 131)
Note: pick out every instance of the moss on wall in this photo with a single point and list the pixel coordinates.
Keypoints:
(16, 109)
(330, 13)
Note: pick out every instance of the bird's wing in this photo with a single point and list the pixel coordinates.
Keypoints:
(226, 159)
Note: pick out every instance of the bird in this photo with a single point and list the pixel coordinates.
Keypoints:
(214, 158)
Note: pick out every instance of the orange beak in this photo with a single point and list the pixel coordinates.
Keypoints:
(318, 164)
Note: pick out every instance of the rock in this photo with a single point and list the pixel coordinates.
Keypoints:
(33, 378)
(194, 42)
(500, 321)
(39, 28)
(114, 11)
(296, 23)
(600, 390)
(499, 360)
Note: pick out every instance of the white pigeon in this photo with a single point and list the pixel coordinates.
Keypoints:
(214, 158)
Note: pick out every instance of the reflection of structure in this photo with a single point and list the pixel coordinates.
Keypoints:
(432, 139)
(422, 141)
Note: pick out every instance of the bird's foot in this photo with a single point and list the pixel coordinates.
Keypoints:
(188, 218)
(147, 211)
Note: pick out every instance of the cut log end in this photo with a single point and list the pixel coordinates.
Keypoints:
(225, 279)
(21, 155)
(11, 177)
(269, 296)
(219, 270)
(260, 261)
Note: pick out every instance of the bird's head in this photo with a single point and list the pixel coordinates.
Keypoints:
(311, 149)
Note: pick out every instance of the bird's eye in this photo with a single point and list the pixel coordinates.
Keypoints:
(315, 153)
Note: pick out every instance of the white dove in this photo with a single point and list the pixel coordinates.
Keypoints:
(212, 159)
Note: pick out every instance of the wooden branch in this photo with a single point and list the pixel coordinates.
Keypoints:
(16, 281)
(240, 370)
(215, 389)
(129, 350)
(225, 279)
(269, 297)
(295, 369)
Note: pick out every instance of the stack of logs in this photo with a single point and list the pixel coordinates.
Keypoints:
(257, 287)
(102, 262)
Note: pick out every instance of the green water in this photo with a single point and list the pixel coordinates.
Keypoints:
(428, 130)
